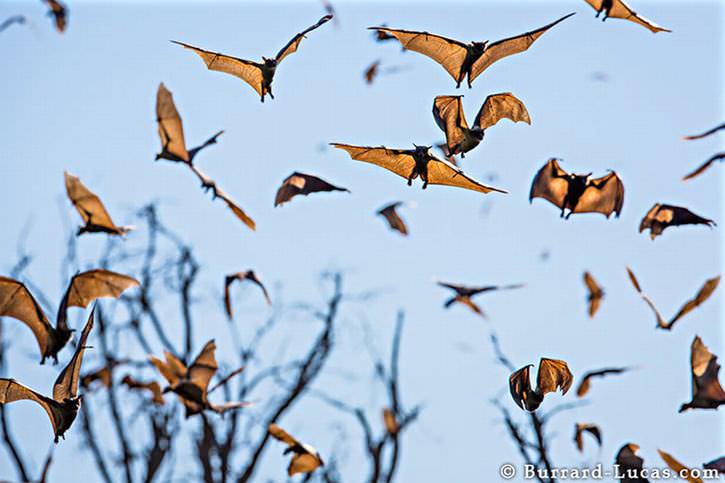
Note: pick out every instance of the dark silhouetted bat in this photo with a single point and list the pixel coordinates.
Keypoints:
(15, 19)
(17, 302)
(662, 216)
(390, 213)
(91, 209)
(450, 118)
(59, 12)
(460, 59)
(583, 388)
(580, 429)
(682, 471)
(411, 163)
(578, 193)
(718, 464)
(390, 422)
(553, 374)
(619, 9)
(705, 134)
(702, 295)
(705, 166)
(240, 277)
(464, 294)
(302, 184)
(257, 75)
(63, 408)
(707, 393)
(630, 465)
(595, 295)
(305, 458)
(150, 386)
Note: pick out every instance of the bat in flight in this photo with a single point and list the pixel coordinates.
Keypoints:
(17, 302)
(390, 213)
(258, 75)
(578, 193)
(553, 374)
(412, 163)
(586, 382)
(580, 429)
(91, 209)
(63, 407)
(702, 295)
(707, 393)
(305, 458)
(240, 277)
(595, 295)
(59, 12)
(619, 9)
(681, 470)
(460, 59)
(302, 184)
(630, 464)
(15, 19)
(173, 148)
(450, 118)
(103, 374)
(152, 387)
(662, 216)
(375, 69)
(464, 294)
(707, 133)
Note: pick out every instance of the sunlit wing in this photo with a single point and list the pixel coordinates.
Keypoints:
(399, 161)
(444, 173)
(171, 129)
(449, 116)
(500, 106)
(622, 10)
(681, 470)
(293, 44)
(603, 195)
(281, 435)
(66, 385)
(87, 203)
(11, 391)
(88, 286)
(303, 463)
(204, 367)
(17, 302)
(550, 184)
(702, 295)
(553, 374)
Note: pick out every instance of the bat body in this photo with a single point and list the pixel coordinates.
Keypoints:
(630, 465)
(59, 12)
(15, 19)
(302, 184)
(91, 208)
(413, 163)
(585, 384)
(464, 294)
(240, 277)
(578, 193)
(707, 393)
(258, 75)
(662, 216)
(595, 295)
(450, 118)
(619, 9)
(390, 213)
(463, 60)
(681, 470)
(305, 458)
(553, 374)
(580, 429)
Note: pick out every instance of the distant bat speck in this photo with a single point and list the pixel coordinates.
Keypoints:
(390, 213)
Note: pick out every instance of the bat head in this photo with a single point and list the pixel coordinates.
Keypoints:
(269, 62)
(479, 47)
(424, 150)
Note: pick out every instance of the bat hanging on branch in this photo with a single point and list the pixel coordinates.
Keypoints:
(302, 184)
(580, 429)
(578, 193)
(464, 294)
(257, 75)
(460, 59)
(17, 302)
(595, 295)
(305, 458)
(681, 470)
(59, 12)
(412, 163)
(91, 209)
(662, 216)
(586, 382)
(390, 213)
(240, 277)
(553, 374)
(450, 118)
(707, 393)
(619, 9)
(63, 408)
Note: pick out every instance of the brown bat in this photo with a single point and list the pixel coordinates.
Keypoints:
(578, 193)
(595, 295)
(450, 118)
(63, 408)
(59, 12)
(580, 429)
(412, 163)
(681, 470)
(240, 277)
(553, 374)
(630, 465)
(707, 393)
(705, 134)
(619, 9)
(460, 59)
(705, 166)
(151, 386)
(17, 302)
(703, 294)
(390, 422)
(389, 212)
(91, 209)
(15, 19)
(583, 388)
(662, 216)
(305, 458)
(302, 184)
(718, 465)
(102, 374)
(464, 294)
(257, 75)
(372, 71)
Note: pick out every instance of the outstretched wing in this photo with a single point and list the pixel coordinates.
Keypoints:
(66, 385)
(510, 46)
(553, 374)
(391, 215)
(622, 10)
(241, 276)
(550, 183)
(399, 161)
(87, 203)
(449, 116)
(281, 435)
(171, 129)
(520, 385)
(218, 193)
(603, 195)
(706, 165)
(204, 367)
(660, 320)
(212, 140)
(444, 173)
(702, 295)
(705, 134)
(584, 385)
(17, 302)
(11, 391)
(302, 184)
(293, 44)
(681, 470)
(500, 106)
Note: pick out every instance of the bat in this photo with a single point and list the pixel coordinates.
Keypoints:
(412, 163)
(103, 374)
(461, 59)
(258, 75)
(305, 458)
(59, 12)
(718, 465)
(17, 302)
(578, 193)
(450, 118)
(465, 294)
(662, 216)
(702, 295)
(91, 209)
(580, 429)
(390, 422)
(382, 35)
(63, 407)
(705, 166)
(553, 374)
(373, 70)
(302, 184)
(596, 294)
(705, 134)
(390, 213)
(240, 277)
(619, 9)
(584, 385)
(15, 19)
(150, 386)
(630, 465)
(707, 393)
(681, 470)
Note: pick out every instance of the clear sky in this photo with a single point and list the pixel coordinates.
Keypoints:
(84, 102)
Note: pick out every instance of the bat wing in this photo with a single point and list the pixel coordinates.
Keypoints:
(303, 463)
(11, 391)
(595, 293)
(500, 106)
(622, 10)
(293, 44)
(87, 203)
(371, 71)
(204, 367)
(171, 129)
(442, 172)
(584, 386)
(66, 385)
(465, 300)
(172, 376)
(393, 218)
(553, 374)
(705, 166)
(17, 302)
(603, 195)
(212, 140)
(281, 435)
(683, 216)
(510, 46)
(702, 295)
(218, 193)
(680, 469)
(705, 134)
(449, 53)
(151, 386)
(449, 116)
(520, 385)
(250, 72)
(398, 161)
(660, 320)
(302, 184)
(550, 183)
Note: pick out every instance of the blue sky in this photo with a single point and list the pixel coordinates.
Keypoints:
(84, 102)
